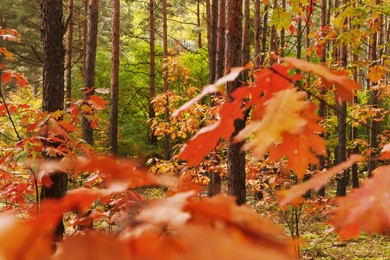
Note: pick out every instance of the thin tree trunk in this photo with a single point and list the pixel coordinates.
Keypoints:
(213, 40)
(257, 33)
(53, 86)
(246, 34)
(220, 66)
(264, 35)
(282, 33)
(322, 105)
(374, 102)
(236, 157)
(113, 130)
(273, 42)
(89, 84)
(69, 46)
(152, 88)
(167, 153)
(198, 23)
(342, 179)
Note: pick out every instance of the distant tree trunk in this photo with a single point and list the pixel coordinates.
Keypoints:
(342, 179)
(273, 42)
(69, 46)
(374, 102)
(220, 63)
(167, 153)
(213, 40)
(282, 33)
(264, 35)
(322, 106)
(198, 15)
(257, 33)
(152, 91)
(89, 81)
(354, 133)
(113, 129)
(208, 23)
(246, 34)
(52, 30)
(236, 157)
(85, 38)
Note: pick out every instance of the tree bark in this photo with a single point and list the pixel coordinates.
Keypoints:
(69, 46)
(220, 63)
(152, 86)
(167, 153)
(89, 81)
(213, 40)
(246, 34)
(264, 35)
(257, 33)
(198, 15)
(236, 157)
(52, 30)
(113, 128)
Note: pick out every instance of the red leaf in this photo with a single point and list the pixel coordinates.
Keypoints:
(316, 182)
(385, 152)
(367, 207)
(46, 181)
(6, 77)
(20, 79)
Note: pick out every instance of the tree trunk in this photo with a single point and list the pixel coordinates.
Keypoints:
(220, 66)
(246, 34)
(90, 65)
(257, 33)
(282, 33)
(374, 102)
(69, 45)
(322, 105)
(274, 35)
(236, 157)
(264, 35)
(198, 15)
(113, 130)
(213, 40)
(152, 88)
(167, 153)
(53, 85)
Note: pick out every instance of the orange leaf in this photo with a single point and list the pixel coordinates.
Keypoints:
(345, 86)
(299, 148)
(385, 152)
(282, 114)
(376, 73)
(20, 79)
(316, 182)
(98, 102)
(367, 207)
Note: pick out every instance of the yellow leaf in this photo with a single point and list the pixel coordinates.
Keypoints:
(282, 114)
(376, 73)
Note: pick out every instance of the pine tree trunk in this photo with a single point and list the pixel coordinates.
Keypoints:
(198, 15)
(89, 81)
(113, 128)
(264, 35)
(53, 85)
(152, 87)
(273, 41)
(322, 106)
(236, 157)
(213, 40)
(167, 153)
(246, 34)
(69, 46)
(257, 33)
(220, 66)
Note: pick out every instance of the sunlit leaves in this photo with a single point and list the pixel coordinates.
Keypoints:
(366, 208)
(282, 114)
(280, 18)
(376, 73)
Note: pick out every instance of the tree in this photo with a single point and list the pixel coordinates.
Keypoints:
(233, 58)
(167, 152)
(89, 80)
(113, 131)
(152, 91)
(69, 46)
(53, 85)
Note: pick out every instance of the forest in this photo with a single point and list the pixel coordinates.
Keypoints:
(189, 129)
